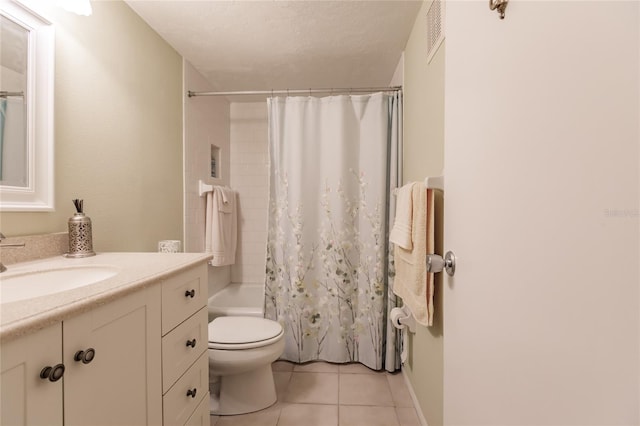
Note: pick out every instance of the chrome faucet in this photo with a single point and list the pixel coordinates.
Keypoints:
(2, 237)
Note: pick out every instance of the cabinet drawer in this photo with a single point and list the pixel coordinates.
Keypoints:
(201, 416)
(178, 404)
(183, 295)
(177, 356)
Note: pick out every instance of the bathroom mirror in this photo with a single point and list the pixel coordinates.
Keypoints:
(26, 109)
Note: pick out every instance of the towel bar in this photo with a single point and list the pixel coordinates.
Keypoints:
(433, 182)
(203, 188)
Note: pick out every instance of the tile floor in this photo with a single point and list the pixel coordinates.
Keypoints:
(323, 394)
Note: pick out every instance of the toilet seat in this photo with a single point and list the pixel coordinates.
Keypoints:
(235, 333)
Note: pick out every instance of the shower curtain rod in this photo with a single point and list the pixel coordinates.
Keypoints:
(298, 91)
(5, 94)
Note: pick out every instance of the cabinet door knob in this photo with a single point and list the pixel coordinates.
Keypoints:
(54, 373)
(190, 293)
(85, 356)
(191, 343)
(192, 392)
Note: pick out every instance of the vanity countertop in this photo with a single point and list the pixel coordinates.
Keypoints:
(135, 271)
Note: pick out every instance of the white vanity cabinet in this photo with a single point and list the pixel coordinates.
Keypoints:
(26, 398)
(136, 359)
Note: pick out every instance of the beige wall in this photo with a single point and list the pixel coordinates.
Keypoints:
(118, 131)
(423, 105)
(206, 123)
(424, 156)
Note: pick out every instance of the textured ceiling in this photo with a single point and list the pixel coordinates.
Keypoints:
(263, 45)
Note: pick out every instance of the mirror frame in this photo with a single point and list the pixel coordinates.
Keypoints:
(39, 194)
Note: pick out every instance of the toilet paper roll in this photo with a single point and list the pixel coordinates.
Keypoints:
(169, 246)
(395, 316)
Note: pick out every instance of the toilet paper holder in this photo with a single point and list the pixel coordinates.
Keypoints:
(405, 319)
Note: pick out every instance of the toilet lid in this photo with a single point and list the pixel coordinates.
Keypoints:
(238, 330)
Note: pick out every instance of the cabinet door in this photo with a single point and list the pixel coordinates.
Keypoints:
(121, 385)
(26, 398)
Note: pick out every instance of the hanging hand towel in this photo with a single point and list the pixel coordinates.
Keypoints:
(412, 283)
(401, 233)
(221, 226)
(431, 245)
(225, 197)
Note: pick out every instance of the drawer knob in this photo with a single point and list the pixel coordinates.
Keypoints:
(85, 356)
(191, 343)
(54, 373)
(190, 293)
(192, 392)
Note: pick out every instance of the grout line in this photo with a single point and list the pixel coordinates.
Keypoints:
(339, 394)
(279, 415)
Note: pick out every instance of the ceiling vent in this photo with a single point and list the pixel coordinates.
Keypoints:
(435, 27)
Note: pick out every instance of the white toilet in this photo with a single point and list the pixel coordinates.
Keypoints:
(241, 350)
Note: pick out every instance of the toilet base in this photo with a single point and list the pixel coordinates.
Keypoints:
(246, 392)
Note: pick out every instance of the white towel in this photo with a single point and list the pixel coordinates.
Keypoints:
(225, 197)
(221, 226)
(412, 282)
(401, 233)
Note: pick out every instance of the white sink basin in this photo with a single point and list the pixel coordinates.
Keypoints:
(26, 285)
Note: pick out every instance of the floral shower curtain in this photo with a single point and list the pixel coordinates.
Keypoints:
(334, 162)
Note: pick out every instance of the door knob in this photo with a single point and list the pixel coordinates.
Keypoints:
(435, 263)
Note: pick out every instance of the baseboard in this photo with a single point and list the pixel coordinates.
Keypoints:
(423, 420)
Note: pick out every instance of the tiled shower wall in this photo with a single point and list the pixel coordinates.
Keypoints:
(249, 176)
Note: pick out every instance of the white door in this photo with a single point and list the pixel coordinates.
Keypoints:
(541, 208)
